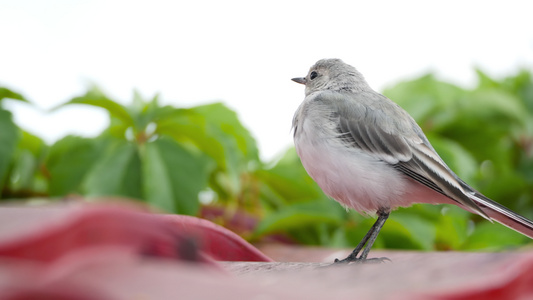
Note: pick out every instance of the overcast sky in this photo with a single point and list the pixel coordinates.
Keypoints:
(241, 52)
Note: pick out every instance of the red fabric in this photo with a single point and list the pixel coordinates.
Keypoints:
(72, 252)
(115, 252)
(61, 230)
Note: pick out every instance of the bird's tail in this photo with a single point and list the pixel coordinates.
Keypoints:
(503, 215)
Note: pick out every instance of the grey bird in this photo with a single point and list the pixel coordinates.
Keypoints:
(369, 154)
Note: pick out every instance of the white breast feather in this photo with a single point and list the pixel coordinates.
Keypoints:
(347, 174)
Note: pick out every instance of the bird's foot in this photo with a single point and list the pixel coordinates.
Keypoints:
(357, 260)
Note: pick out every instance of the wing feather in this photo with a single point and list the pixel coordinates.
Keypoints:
(397, 140)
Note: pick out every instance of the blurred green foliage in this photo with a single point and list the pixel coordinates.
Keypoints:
(202, 161)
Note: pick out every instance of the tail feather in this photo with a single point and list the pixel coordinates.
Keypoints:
(503, 215)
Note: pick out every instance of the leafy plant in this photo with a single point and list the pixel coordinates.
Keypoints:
(166, 156)
(202, 161)
(158, 154)
(10, 140)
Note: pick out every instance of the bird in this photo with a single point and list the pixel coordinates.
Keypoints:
(369, 154)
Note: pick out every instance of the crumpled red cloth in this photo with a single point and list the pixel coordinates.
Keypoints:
(47, 233)
(119, 252)
(40, 246)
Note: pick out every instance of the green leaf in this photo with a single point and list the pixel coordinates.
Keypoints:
(522, 86)
(6, 93)
(68, 161)
(452, 227)
(116, 173)
(353, 230)
(221, 117)
(27, 162)
(23, 170)
(424, 97)
(493, 237)
(301, 215)
(405, 228)
(173, 177)
(495, 105)
(97, 98)
(215, 130)
(26, 178)
(32, 143)
(145, 112)
(289, 180)
(188, 127)
(9, 136)
(217, 122)
(485, 81)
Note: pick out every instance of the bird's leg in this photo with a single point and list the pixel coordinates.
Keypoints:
(369, 239)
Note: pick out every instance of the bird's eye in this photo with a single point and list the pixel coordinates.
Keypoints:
(313, 75)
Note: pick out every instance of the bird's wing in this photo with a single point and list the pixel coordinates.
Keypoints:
(381, 128)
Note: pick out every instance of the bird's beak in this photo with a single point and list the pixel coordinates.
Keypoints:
(300, 80)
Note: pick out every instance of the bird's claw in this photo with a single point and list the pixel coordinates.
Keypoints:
(356, 260)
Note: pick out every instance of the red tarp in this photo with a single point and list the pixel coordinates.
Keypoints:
(122, 252)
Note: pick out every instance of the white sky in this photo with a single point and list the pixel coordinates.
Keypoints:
(240, 52)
